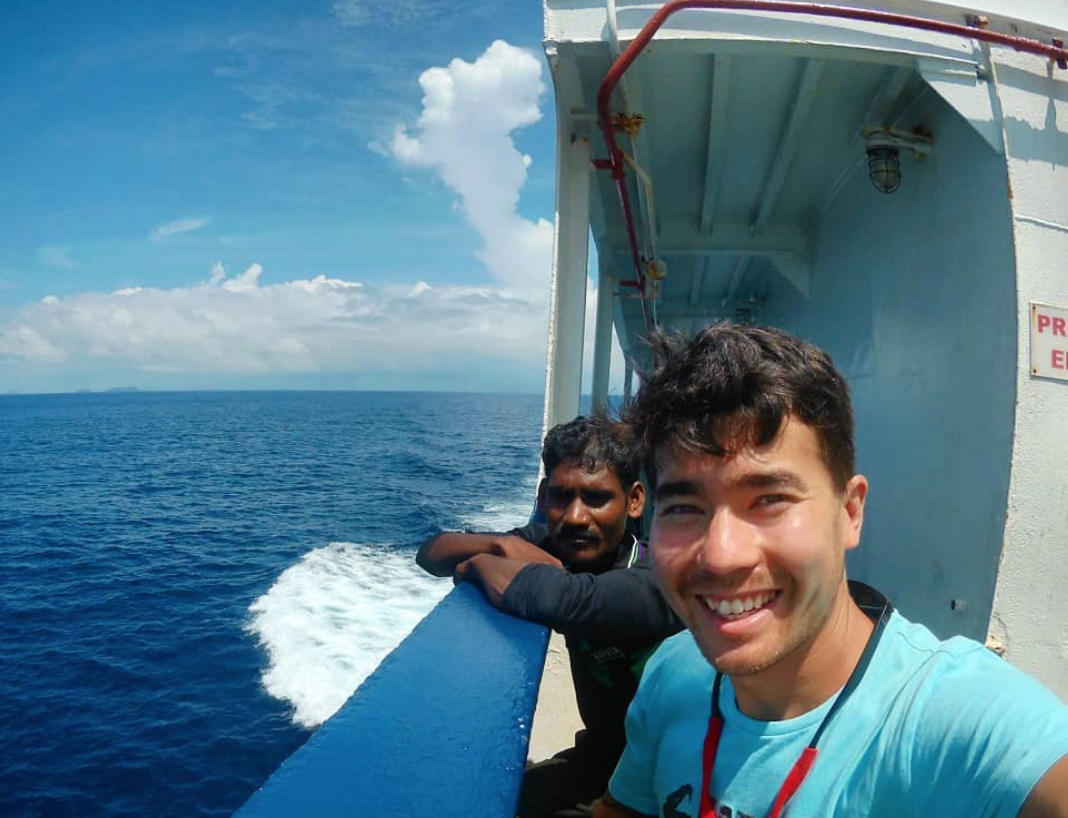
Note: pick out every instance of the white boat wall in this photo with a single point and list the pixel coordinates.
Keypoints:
(744, 139)
(756, 158)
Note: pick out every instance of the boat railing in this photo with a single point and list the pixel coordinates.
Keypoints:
(440, 729)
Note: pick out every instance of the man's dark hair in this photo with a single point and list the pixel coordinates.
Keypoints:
(592, 443)
(733, 385)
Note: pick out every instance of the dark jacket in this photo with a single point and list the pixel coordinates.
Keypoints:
(612, 622)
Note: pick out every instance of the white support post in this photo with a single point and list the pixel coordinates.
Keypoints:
(602, 339)
(567, 310)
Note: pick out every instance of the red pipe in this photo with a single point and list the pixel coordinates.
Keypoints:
(1056, 52)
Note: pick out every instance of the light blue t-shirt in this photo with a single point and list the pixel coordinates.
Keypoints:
(934, 729)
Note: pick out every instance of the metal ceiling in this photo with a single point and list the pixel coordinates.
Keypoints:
(747, 137)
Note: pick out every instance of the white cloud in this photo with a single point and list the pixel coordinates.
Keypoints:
(232, 324)
(176, 227)
(465, 134)
(55, 256)
(246, 282)
(237, 324)
(25, 342)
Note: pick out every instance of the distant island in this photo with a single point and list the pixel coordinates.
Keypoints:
(123, 389)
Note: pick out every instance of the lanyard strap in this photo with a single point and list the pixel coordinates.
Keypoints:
(880, 612)
(708, 757)
(789, 786)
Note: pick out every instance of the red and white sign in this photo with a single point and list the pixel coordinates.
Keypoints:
(1049, 341)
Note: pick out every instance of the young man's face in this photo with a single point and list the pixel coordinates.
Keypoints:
(750, 547)
(587, 514)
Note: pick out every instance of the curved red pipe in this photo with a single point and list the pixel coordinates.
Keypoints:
(1055, 51)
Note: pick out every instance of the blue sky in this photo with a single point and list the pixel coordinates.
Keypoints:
(274, 195)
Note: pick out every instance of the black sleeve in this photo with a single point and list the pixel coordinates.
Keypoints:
(621, 606)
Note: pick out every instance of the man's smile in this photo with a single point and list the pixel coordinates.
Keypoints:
(738, 606)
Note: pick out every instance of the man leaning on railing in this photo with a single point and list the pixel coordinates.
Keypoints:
(585, 577)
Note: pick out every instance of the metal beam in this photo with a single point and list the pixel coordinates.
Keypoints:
(736, 237)
(793, 265)
(883, 101)
(797, 271)
(717, 137)
(740, 266)
(806, 94)
(676, 314)
(602, 339)
(700, 268)
(570, 98)
(837, 52)
(567, 308)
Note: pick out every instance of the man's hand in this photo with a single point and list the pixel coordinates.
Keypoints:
(491, 573)
(442, 554)
(516, 548)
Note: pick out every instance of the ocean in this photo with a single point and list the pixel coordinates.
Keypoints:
(191, 582)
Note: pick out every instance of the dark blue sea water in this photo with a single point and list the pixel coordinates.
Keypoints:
(188, 579)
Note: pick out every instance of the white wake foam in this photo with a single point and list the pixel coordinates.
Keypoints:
(506, 515)
(330, 619)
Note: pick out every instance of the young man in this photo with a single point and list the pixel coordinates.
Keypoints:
(789, 694)
(589, 580)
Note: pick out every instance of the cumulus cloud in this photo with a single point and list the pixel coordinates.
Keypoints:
(236, 323)
(233, 324)
(464, 134)
(176, 227)
(24, 341)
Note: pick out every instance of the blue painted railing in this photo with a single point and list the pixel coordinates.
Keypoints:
(439, 729)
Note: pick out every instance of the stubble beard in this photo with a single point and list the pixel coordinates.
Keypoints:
(725, 663)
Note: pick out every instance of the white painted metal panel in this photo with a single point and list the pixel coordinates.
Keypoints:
(1030, 612)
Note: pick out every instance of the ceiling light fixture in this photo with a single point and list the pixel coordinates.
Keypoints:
(884, 154)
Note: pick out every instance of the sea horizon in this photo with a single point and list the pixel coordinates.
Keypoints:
(127, 390)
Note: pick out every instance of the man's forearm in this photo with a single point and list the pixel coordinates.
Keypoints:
(441, 554)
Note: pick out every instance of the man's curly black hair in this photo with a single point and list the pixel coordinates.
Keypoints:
(592, 442)
(733, 385)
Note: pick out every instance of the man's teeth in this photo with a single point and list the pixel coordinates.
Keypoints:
(738, 605)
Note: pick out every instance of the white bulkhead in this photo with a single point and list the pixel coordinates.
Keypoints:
(759, 203)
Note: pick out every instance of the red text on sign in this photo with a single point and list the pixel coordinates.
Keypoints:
(1057, 325)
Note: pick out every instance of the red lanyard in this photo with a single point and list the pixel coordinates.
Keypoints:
(882, 609)
(789, 786)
